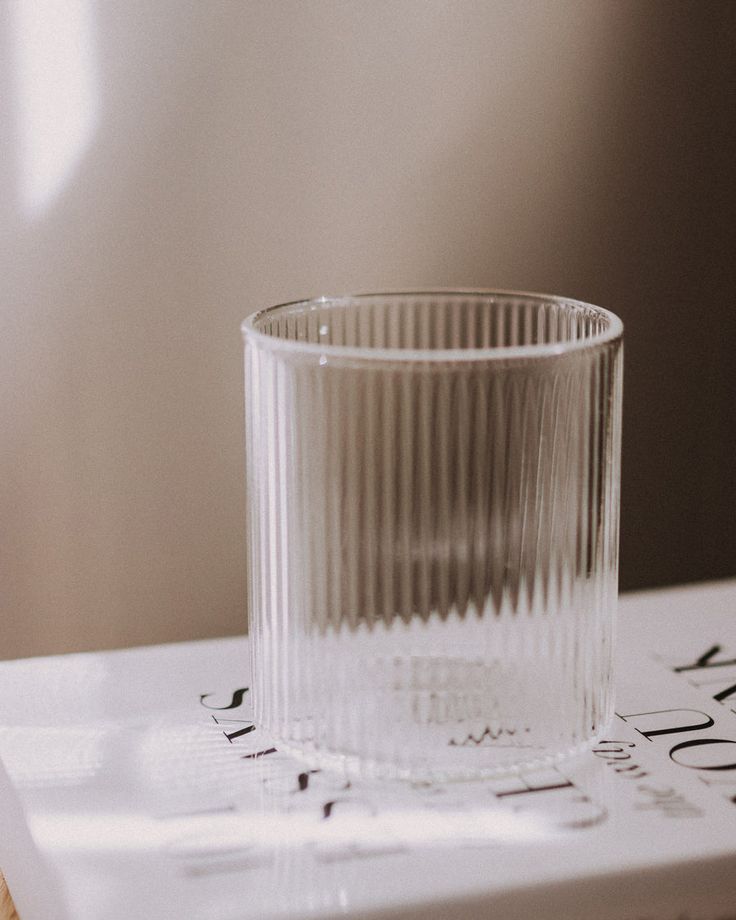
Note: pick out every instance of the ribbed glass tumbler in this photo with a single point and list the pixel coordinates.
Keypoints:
(432, 499)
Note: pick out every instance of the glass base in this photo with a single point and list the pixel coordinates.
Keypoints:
(513, 693)
(497, 764)
(433, 718)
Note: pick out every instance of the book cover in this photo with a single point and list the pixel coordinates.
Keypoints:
(135, 780)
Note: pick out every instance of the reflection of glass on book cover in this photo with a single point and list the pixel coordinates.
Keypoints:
(148, 791)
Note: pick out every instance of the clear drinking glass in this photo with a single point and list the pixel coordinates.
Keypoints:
(433, 493)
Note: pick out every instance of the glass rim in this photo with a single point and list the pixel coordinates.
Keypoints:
(613, 332)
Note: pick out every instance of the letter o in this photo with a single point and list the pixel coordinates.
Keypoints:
(697, 742)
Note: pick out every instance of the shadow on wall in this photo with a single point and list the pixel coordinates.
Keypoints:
(238, 155)
(626, 187)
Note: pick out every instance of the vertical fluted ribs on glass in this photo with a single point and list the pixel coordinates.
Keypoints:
(432, 544)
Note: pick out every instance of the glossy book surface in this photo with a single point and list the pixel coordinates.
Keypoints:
(137, 777)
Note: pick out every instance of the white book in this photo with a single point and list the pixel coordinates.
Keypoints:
(135, 785)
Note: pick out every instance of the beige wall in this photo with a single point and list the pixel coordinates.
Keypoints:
(168, 167)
